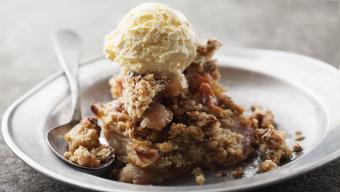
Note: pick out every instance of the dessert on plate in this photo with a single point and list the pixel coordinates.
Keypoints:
(170, 115)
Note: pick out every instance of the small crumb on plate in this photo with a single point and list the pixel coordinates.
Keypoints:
(297, 148)
(267, 165)
(199, 176)
(299, 136)
(237, 173)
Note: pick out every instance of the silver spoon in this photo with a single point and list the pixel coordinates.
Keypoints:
(66, 44)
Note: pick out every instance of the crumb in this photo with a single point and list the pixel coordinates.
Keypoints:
(299, 136)
(200, 180)
(267, 165)
(221, 174)
(297, 148)
(238, 172)
(199, 176)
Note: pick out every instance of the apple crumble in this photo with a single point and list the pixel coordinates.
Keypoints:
(160, 129)
(169, 115)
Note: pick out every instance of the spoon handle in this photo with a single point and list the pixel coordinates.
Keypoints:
(67, 45)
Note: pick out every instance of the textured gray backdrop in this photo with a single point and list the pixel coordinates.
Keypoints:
(310, 27)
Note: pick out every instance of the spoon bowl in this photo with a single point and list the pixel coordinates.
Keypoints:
(66, 45)
(56, 142)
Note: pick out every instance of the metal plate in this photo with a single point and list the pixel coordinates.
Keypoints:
(302, 92)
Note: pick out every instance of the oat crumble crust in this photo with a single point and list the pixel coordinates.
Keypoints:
(85, 133)
(138, 92)
(160, 130)
(271, 142)
(83, 144)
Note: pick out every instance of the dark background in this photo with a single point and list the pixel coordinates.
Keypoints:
(309, 27)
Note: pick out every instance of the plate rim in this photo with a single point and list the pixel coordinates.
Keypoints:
(27, 160)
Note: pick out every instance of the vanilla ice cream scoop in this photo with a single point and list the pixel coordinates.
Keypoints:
(152, 38)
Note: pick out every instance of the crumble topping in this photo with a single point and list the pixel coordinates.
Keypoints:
(271, 141)
(85, 134)
(82, 156)
(89, 158)
(83, 144)
(137, 91)
(206, 51)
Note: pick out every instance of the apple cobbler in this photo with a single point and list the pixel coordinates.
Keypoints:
(168, 119)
